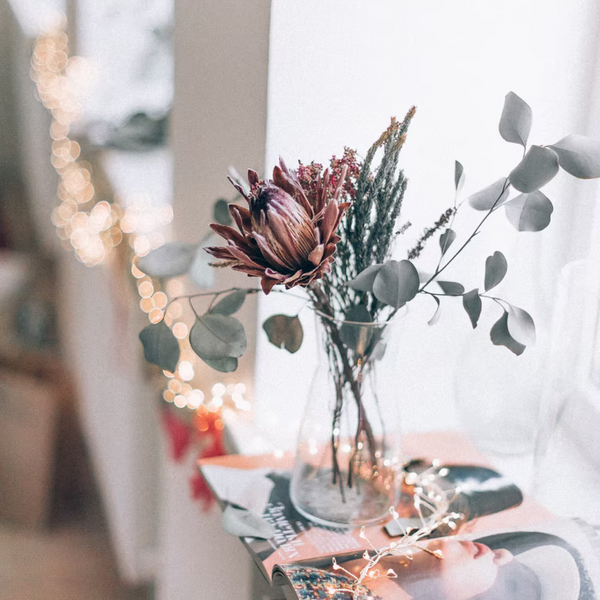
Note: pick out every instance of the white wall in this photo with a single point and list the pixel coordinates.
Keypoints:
(338, 70)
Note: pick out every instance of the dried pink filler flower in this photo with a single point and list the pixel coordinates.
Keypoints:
(287, 233)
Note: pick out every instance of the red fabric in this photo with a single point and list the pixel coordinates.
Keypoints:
(215, 447)
(179, 433)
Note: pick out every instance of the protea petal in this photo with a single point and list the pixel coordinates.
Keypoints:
(241, 216)
(253, 177)
(238, 187)
(340, 183)
(316, 255)
(268, 284)
(284, 238)
(330, 219)
(229, 233)
(245, 258)
(221, 252)
(268, 253)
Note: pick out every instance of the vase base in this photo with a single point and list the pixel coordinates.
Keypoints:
(320, 500)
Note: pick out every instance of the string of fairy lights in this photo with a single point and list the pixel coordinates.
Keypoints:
(92, 222)
(432, 504)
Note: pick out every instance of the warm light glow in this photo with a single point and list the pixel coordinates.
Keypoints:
(180, 401)
(218, 389)
(186, 370)
(194, 400)
(180, 330)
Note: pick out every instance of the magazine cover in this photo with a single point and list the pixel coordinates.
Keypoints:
(259, 485)
(552, 561)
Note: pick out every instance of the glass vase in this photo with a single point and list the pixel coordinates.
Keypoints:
(348, 460)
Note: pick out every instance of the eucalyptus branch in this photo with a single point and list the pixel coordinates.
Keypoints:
(475, 232)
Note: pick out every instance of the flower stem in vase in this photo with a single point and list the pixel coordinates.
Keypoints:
(345, 377)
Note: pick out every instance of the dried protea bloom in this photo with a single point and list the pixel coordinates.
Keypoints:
(286, 235)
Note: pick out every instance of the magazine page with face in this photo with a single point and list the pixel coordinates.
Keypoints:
(260, 485)
(554, 561)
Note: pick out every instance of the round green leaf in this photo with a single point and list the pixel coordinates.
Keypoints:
(538, 167)
(521, 326)
(472, 305)
(516, 119)
(284, 331)
(446, 240)
(529, 212)
(170, 260)
(437, 314)
(452, 288)
(363, 282)
(160, 346)
(501, 337)
(491, 196)
(223, 365)
(396, 283)
(215, 336)
(459, 175)
(221, 212)
(357, 337)
(579, 156)
(230, 304)
(495, 270)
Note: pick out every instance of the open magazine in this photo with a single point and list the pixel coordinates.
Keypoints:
(506, 547)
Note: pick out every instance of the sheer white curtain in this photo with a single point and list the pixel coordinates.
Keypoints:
(338, 70)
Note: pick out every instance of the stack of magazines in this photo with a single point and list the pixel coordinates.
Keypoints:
(507, 546)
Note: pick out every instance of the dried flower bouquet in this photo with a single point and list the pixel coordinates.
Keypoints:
(331, 231)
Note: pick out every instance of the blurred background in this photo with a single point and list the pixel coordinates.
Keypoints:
(119, 123)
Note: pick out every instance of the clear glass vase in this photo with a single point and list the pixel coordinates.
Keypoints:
(348, 461)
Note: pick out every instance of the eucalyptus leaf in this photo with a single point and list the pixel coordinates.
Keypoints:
(472, 305)
(215, 336)
(538, 167)
(437, 314)
(357, 337)
(201, 274)
(495, 270)
(579, 155)
(529, 212)
(221, 212)
(363, 282)
(501, 337)
(459, 175)
(493, 195)
(223, 365)
(244, 523)
(160, 346)
(396, 283)
(170, 260)
(521, 326)
(284, 331)
(446, 240)
(230, 304)
(516, 120)
(452, 288)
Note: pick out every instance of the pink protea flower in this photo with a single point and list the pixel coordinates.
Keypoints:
(287, 234)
